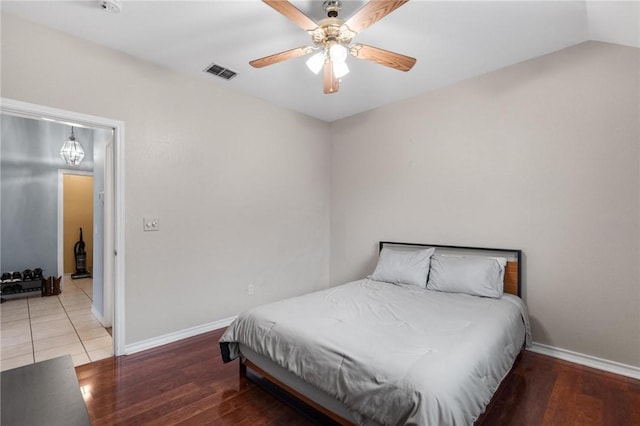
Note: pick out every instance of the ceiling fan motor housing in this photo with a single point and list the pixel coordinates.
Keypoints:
(331, 30)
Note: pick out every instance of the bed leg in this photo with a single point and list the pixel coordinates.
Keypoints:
(243, 368)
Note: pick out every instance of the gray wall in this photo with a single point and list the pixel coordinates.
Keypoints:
(29, 163)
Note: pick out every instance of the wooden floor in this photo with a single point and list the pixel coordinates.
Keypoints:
(186, 383)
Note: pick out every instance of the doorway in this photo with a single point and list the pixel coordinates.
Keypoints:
(75, 190)
(113, 246)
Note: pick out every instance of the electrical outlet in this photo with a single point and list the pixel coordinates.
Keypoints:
(251, 289)
(150, 224)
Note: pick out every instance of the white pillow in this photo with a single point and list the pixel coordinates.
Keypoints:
(474, 275)
(403, 266)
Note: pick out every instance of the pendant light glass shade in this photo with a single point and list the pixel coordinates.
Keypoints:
(72, 152)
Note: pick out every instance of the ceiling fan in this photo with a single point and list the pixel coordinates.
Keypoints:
(332, 40)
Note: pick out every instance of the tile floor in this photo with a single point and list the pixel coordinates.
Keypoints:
(37, 328)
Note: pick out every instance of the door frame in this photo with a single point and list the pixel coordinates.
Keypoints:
(107, 229)
(61, 173)
(41, 112)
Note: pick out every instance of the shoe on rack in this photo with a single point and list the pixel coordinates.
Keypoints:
(14, 288)
(27, 275)
(16, 277)
(6, 278)
(37, 274)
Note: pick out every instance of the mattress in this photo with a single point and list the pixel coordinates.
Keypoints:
(391, 354)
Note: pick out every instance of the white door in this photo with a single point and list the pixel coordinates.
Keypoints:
(109, 247)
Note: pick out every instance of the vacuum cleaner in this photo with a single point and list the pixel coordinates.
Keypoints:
(81, 260)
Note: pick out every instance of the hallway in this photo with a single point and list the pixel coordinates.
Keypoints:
(38, 328)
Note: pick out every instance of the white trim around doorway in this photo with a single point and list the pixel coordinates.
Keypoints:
(40, 112)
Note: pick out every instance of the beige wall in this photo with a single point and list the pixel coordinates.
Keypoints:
(78, 213)
(541, 156)
(240, 186)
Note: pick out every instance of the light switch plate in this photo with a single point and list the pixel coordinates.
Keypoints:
(150, 224)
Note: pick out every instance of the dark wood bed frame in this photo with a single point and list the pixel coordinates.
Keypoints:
(512, 285)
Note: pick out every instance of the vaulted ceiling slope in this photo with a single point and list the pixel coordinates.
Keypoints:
(452, 41)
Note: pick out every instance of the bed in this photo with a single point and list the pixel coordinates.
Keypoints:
(407, 345)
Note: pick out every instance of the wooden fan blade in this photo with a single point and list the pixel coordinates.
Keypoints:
(372, 12)
(383, 57)
(279, 57)
(293, 13)
(330, 82)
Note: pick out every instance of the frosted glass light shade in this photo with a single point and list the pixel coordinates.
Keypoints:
(316, 62)
(72, 152)
(340, 69)
(338, 53)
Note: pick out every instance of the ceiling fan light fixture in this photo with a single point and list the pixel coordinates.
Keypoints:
(316, 62)
(338, 53)
(340, 69)
(332, 36)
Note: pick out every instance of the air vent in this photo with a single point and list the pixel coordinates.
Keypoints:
(223, 72)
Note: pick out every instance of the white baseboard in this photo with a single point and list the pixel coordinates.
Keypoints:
(176, 335)
(587, 360)
(564, 354)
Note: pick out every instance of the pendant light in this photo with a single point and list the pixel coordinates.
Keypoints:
(72, 152)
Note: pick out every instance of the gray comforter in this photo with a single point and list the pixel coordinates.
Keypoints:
(393, 354)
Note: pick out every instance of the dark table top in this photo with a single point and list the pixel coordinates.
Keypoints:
(44, 393)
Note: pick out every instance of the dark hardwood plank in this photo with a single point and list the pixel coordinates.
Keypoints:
(186, 383)
(556, 392)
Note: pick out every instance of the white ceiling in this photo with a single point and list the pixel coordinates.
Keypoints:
(452, 41)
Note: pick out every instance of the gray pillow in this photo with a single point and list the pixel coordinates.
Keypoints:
(474, 275)
(403, 266)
